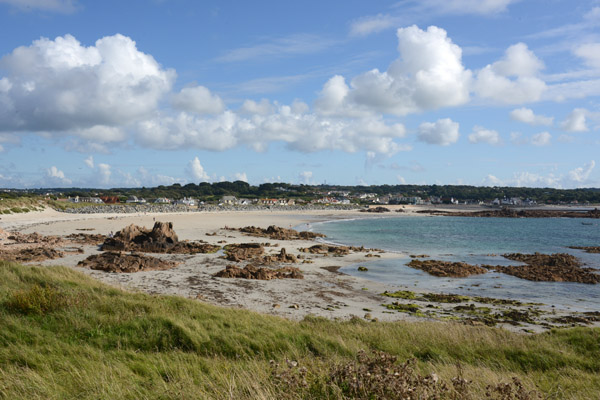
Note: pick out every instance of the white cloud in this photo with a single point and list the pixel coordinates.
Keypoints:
(527, 116)
(305, 177)
(576, 121)
(104, 173)
(491, 180)
(62, 86)
(401, 179)
(581, 174)
(279, 47)
(444, 132)
(541, 139)
(482, 135)
(89, 162)
(264, 107)
(513, 79)
(288, 124)
(148, 179)
(59, 6)
(198, 99)
(196, 171)
(461, 7)
(372, 24)
(241, 176)
(56, 177)
(428, 75)
(590, 53)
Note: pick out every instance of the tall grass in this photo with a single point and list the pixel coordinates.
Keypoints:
(100, 342)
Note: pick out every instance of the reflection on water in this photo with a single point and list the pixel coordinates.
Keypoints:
(475, 241)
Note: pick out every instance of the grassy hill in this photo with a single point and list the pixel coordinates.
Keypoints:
(64, 335)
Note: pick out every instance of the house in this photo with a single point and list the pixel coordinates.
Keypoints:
(186, 202)
(110, 199)
(268, 202)
(243, 202)
(162, 200)
(229, 200)
(94, 200)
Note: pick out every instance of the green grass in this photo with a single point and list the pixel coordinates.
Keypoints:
(21, 205)
(64, 335)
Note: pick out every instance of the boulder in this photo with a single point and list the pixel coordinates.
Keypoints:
(113, 261)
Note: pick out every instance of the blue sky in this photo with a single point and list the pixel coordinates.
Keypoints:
(150, 92)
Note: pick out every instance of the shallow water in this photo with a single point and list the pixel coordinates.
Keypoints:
(475, 241)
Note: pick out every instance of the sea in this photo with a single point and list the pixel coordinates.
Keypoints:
(474, 241)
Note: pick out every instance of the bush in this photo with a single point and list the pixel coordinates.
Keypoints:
(36, 300)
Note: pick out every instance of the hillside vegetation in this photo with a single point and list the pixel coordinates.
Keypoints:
(65, 335)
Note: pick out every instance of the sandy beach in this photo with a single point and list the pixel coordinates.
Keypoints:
(323, 291)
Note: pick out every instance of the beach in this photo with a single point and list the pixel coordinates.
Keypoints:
(323, 291)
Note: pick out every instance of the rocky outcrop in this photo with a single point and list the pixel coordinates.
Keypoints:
(86, 238)
(326, 250)
(558, 267)
(376, 210)
(282, 257)
(447, 268)
(161, 239)
(243, 251)
(34, 238)
(587, 249)
(30, 254)
(514, 213)
(113, 261)
(277, 233)
(262, 273)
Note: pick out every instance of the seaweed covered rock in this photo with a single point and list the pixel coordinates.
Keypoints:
(31, 254)
(243, 251)
(282, 257)
(86, 238)
(114, 261)
(277, 233)
(326, 249)
(558, 267)
(447, 268)
(161, 239)
(261, 273)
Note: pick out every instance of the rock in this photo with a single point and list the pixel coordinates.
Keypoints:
(277, 233)
(86, 238)
(376, 210)
(446, 268)
(587, 249)
(326, 249)
(513, 213)
(363, 269)
(261, 273)
(161, 239)
(243, 251)
(112, 261)
(34, 254)
(282, 257)
(558, 267)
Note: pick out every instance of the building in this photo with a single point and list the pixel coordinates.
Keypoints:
(185, 202)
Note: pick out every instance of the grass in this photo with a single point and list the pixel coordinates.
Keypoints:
(65, 335)
(21, 205)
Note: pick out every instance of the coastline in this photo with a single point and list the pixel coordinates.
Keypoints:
(324, 291)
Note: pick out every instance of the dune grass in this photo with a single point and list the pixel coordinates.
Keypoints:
(65, 335)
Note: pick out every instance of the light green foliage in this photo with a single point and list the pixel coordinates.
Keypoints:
(101, 342)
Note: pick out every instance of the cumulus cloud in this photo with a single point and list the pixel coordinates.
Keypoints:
(428, 75)
(575, 121)
(263, 107)
(541, 139)
(196, 171)
(581, 174)
(444, 132)
(198, 99)
(482, 135)
(306, 132)
(575, 178)
(527, 116)
(89, 162)
(104, 173)
(512, 79)
(241, 176)
(62, 86)
(590, 53)
(56, 177)
(305, 177)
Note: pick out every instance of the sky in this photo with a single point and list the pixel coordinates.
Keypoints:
(154, 92)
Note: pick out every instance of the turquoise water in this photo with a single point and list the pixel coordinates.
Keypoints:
(476, 241)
